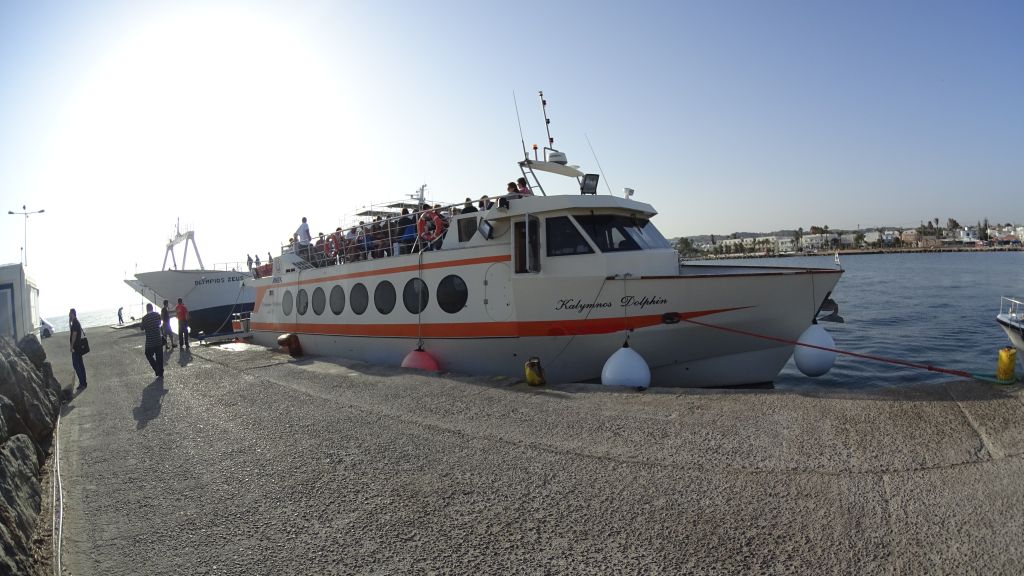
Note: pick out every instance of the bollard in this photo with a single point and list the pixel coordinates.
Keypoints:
(1007, 364)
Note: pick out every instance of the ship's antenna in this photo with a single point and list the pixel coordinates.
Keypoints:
(520, 122)
(547, 124)
(601, 170)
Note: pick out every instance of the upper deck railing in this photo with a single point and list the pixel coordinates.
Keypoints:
(385, 237)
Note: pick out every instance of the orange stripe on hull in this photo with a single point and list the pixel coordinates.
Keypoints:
(483, 329)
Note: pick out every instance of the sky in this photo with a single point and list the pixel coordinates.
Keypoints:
(236, 119)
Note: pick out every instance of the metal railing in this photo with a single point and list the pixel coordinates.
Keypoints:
(1012, 308)
(385, 237)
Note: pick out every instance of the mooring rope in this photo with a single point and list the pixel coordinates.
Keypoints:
(57, 533)
(884, 359)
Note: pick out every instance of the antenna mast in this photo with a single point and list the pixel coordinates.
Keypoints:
(520, 122)
(547, 125)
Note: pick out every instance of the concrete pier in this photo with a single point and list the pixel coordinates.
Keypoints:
(249, 462)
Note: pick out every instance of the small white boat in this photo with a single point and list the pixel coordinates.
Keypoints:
(212, 296)
(1011, 318)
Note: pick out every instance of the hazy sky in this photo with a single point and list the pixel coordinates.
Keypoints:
(239, 118)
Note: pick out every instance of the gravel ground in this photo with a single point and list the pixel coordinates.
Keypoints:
(244, 461)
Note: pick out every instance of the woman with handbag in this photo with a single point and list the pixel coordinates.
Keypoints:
(79, 347)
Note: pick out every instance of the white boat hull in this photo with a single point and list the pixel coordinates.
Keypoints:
(1014, 328)
(707, 326)
(212, 296)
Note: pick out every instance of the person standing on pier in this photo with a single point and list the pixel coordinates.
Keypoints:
(165, 318)
(76, 355)
(120, 317)
(182, 312)
(154, 344)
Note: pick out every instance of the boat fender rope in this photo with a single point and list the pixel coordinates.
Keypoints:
(896, 361)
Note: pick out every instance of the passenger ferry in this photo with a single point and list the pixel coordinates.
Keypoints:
(566, 279)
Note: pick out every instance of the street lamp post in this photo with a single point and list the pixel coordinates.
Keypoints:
(24, 248)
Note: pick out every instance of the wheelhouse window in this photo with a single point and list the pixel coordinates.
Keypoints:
(467, 228)
(563, 239)
(614, 233)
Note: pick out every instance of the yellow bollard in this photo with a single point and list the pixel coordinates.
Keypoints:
(534, 372)
(1007, 363)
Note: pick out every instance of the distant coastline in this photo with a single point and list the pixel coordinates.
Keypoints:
(856, 251)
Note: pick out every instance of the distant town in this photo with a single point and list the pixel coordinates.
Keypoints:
(818, 239)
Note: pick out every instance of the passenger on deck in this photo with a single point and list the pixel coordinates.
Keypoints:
(406, 233)
(511, 190)
(256, 268)
(468, 207)
(318, 251)
(249, 262)
(303, 238)
(485, 203)
(524, 188)
(350, 244)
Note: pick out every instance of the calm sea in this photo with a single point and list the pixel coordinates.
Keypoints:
(91, 318)
(936, 309)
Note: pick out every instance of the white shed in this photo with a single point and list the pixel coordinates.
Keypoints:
(19, 302)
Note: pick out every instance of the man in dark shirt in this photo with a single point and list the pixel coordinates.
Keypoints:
(154, 341)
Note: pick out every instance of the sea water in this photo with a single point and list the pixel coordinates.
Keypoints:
(935, 309)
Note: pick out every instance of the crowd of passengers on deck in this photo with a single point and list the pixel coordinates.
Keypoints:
(408, 233)
(381, 237)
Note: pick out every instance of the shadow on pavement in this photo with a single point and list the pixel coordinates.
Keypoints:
(184, 357)
(149, 408)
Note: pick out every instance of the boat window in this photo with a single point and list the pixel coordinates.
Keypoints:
(613, 233)
(287, 301)
(527, 245)
(452, 294)
(415, 295)
(359, 297)
(302, 302)
(563, 239)
(337, 300)
(384, 297)
(319, 300)
(467, 227)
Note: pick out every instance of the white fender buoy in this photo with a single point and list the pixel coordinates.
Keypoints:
(626, 367)
(812, 361)
(420, 360)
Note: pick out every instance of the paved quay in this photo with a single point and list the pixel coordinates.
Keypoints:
(245, 461)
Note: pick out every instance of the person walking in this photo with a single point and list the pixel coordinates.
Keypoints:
(182, 312)
(154, 346)
(120, 317)
(165, 329)
(76, 349)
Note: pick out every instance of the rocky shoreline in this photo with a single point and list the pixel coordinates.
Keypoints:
(29, 403)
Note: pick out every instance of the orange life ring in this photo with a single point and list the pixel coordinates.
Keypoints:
(332, 245)
(421, 226)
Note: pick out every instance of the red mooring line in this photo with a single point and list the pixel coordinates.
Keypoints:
(928, 367)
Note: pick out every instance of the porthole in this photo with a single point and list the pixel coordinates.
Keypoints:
(337, 300)
(452, 294)
(302, 302)
(415, 295)
(287, 302)
(384, 297)
(319, 300)
(359, 298)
